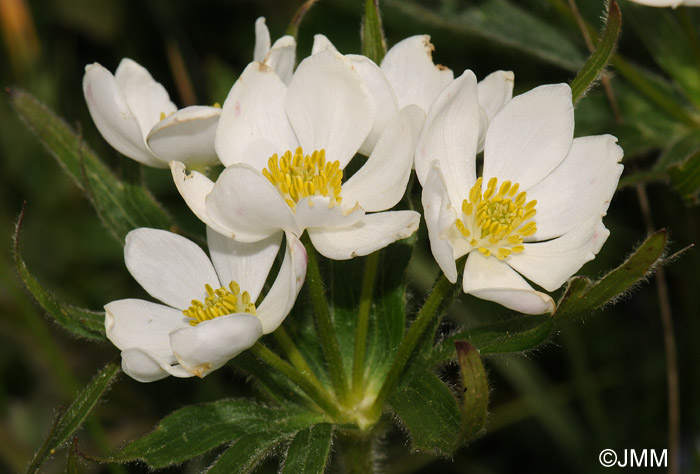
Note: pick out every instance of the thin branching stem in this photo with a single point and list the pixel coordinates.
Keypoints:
(358, 367)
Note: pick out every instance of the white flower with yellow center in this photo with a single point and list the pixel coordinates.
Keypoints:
(286, 149)
(210, 313)
(668, 3)
(537, 209)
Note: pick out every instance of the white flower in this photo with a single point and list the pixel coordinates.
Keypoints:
(286, 147)
(134, 114)
(668, 3)
(408, 76)
(280, 57)
(537, 209)
(189, 337)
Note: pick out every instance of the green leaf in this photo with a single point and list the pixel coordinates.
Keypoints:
(78, 321)
(595, 65)
(247, 452)
(582, 295)
(518, 334)
(72, 461)
(686, 178)
(428, 409)
(476, 390)
(373, 41)
(503, 23)
(196, 429)
(68, 421)
(309, 450)
(122, 206)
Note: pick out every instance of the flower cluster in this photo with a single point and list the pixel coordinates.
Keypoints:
(286, 137)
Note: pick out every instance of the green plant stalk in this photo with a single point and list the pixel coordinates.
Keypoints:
(319, 396)
(426, 315)
(357, 454)
(358, 363)
(324, 323)
(295, 356)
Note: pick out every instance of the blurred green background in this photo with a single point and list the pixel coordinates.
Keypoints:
(600, 383)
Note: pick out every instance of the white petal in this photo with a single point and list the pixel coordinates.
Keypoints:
(186, 136)
(490, 279)
(530, 136)
(280, 299)
(169, 267)
(245, 263)
(410, 69)
(495, 91)
(262, 40)
(282, 57)
(147, 98)
(244, 201)
(194, 189)
(580, 188)
(381, 182)
(112, 116)
(322, 43)
(207, 346)
(451, 135)
(383, 94)
(371, 233)
(438, 214)
(253, 124)
(314, 211)
(329, 106)
(144, 366)
(134, 323)
(551, 263)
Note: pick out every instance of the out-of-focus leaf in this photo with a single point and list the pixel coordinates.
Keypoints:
(247, 451)
(668, 45)
(78, 321)
(514, 335)
(686, 178)
(309, 450)
(196, 429)
(428, 409)
(68, 421)
(373, 41)
(504, 23)
(122, 206)
(596, 63)
(476, 390)
(582, 295)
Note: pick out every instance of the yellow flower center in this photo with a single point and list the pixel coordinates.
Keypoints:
(298, 176)
(220, 303)
(496, 221)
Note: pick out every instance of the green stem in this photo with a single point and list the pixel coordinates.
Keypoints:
(358, 363)
(319, 396)
(295, 356)
(357, 454)
(426, 315)
(324, 323)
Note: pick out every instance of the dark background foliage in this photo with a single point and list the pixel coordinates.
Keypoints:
(600, 383)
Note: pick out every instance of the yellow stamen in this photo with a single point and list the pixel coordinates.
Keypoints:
(298, 176)
(220, 303)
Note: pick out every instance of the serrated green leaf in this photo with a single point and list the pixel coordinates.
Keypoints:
(428, 409)
(122, 206)
(686, 178)
(672, 49)
(476, 390)
(503, 23)
(596, 63)
(78, 321)
(582, 295)
(68, 421)
(518, 334)
(247, 452)
(196, 429)
(373, 41)
(309, 450)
